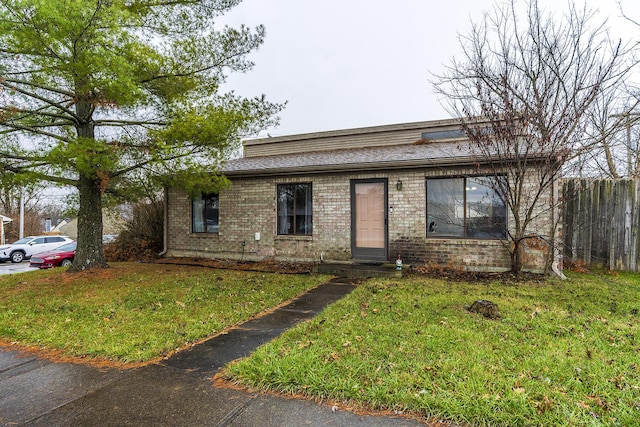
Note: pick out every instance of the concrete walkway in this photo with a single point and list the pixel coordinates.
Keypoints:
(177, 392)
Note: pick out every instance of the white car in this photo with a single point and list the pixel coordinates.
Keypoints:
(24, 248)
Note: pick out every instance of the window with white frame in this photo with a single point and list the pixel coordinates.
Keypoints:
(465, 208)
(204, 213)
(295, 210)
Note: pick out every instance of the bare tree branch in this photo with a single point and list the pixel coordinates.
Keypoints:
(524, 90)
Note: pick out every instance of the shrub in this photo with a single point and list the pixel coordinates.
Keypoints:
(141, 239)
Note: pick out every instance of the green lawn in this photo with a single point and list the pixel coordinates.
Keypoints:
(135, 312)
(563, 353)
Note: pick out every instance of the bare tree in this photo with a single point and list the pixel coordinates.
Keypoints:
(12, 189)
(609, 149)
(615, 138)
(523, 89)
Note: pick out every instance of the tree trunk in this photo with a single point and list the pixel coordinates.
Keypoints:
(89, 252)
(517, 265)
(517, 255)
(516, 239)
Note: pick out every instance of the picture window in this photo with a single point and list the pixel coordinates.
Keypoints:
(465, 208)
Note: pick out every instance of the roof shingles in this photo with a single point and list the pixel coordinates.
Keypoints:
(372, 158)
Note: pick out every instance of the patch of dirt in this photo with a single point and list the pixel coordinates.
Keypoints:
(267, 266)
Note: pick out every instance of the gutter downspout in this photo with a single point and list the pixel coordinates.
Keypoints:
(555, 260)
(555, 268)
(165, 226)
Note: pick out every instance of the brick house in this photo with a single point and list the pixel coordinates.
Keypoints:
(367, 194)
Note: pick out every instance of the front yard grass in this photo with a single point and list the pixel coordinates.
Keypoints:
(135, 312)
(562, 353)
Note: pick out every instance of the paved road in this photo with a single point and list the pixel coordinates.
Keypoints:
(10, 268)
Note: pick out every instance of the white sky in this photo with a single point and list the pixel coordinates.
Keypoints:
(353, 63)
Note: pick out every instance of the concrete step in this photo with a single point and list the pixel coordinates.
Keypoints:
(357, 270)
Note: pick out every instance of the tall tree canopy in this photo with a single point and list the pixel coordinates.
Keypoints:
(94, 93)
(523, 88)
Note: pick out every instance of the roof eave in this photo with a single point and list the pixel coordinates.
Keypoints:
(353, 167)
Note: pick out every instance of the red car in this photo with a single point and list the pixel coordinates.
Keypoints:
(61, 256)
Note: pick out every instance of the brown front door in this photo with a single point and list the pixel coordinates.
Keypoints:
(369, 219)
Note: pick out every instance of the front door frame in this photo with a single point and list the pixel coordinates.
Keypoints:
(370, 254)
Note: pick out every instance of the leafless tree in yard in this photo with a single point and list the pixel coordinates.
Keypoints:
(611, 146)
(523, 89)
(614, 143)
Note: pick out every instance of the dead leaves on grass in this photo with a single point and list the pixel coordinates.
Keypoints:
(544, 405)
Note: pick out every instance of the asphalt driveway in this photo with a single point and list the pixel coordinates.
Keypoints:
(10, 268)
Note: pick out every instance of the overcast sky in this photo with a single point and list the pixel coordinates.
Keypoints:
(353, 63)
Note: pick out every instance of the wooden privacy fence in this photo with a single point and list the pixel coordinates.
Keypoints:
(601, 219)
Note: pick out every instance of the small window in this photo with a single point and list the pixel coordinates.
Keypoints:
(465, 208)
(204, 214)
(54, 240)
(295, 213)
